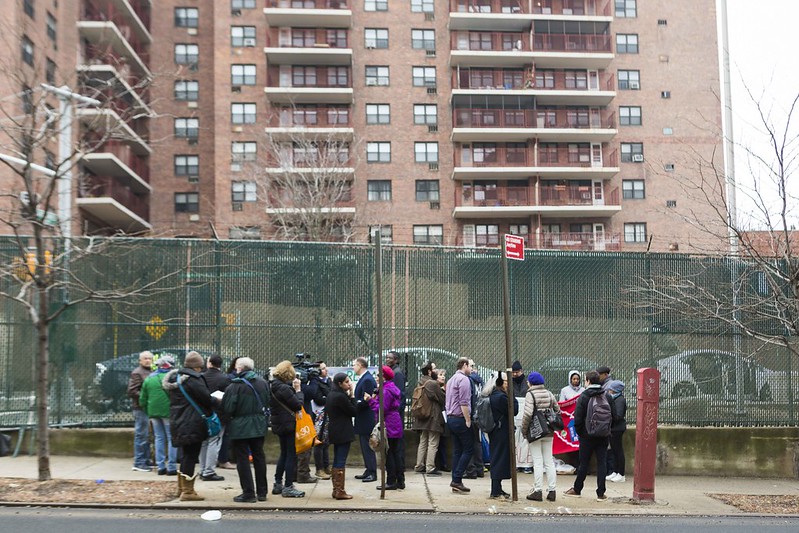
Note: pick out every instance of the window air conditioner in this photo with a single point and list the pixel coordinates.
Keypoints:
(435, 204)
(192, 140)
(371, 82)
(432, 90)
(432, 128)
(634, 85)
(237, 206)
(430, 53)
(235, 89)
(249, 41)
(194, 179)
(432, 166)
(236, 12)
(638, 158)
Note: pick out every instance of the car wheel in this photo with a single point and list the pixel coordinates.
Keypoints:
(765, 394)
(683, 390)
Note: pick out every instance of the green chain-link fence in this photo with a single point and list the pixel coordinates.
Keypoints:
(269, 300)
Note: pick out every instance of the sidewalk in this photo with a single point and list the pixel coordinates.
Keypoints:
(675, 495)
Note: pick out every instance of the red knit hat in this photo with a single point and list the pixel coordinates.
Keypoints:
(388, 373)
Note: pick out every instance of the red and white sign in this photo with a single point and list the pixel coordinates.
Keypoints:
(514, 247)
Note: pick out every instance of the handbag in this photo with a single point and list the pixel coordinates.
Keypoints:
(212, 423)
(539, 427)
(304, 433)
(376, 441)
(554, 420)
(322, 427)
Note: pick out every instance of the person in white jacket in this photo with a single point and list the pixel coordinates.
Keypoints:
(574, 388)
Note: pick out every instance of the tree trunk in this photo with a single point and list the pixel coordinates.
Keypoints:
(42, 379)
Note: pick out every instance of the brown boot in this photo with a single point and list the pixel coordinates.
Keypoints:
(180, 485)
(338, 485)
(188, 494)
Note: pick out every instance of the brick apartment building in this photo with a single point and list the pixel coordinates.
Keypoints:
(569, 122)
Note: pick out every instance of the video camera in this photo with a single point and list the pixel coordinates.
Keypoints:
(305, 369)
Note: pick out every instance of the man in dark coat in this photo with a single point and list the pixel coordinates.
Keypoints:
(141, 428)
(217, 381)
(519, 380)
(499, 440)
(245, 402)
(318, 389)
(364, 418)
(400, 380)
(476, 466)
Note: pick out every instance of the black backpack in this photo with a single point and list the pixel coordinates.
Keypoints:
(483, 416)
(598, 418)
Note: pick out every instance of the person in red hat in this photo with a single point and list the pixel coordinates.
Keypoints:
(395, 455)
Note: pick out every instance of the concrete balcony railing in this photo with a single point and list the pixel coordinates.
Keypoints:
(106, 12)
(536, 195)
(485, 41)
(583, 241)
(318, 38)
(311, 117)
(307, 4)
(310, 77)
(600, 8)
(532, 119)
(108, 187)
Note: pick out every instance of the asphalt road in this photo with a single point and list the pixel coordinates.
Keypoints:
(48, 520)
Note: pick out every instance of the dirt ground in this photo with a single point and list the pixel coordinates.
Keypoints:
(86, 491)
(761, 503)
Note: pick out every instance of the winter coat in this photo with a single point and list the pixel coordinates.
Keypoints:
(619, 405)
(498, 440)
(243, 408)
(286, 403)
(581, 409)
(135, 382)
(153, 399)
(364, 417)
(543, 400)
(318, 391)
(568, 392)
(391, 407)
(217, 380)
(340, 409)
(434, 394)
(519, 387)
(185, 423)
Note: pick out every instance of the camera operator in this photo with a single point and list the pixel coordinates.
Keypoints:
(307, 372)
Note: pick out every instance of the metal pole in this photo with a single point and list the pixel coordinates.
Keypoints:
(379, 342)
(511, 429)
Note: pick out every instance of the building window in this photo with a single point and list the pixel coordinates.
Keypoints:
(375, 38)
(27, 50)
(386, 233)
(243, 191)
(242, 74)
(428, 234)
(423, 39)
(424, 76)
(630, 115)
(633, 189)
(188, 91)
(545, 79)
(629, 80)
(187, 202)
(665, 94)
(248, 233)
(425, 114)
(242, 36)
(422, 6)
(668, 167)
(187, 17)
(425, 152)
(523, 230)
(627, 43)
(188, 128)
(52, 26)
(187, 165)
(427, 191)
(625, 8)
(378, 113)
(242, 4)
(49, 71)
(486, 234)
(187, 54)
(378, 152)
(632, 152)
(635, 232)
(243, 151)
(668, 131)
(671, 203)
(378, 190)
(242, 113)
(377, 76)
(663, 22)
(576, 79)
(27, 6)
(375, 5)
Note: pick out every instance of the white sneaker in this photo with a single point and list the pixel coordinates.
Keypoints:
(610, 476)
(618, 478)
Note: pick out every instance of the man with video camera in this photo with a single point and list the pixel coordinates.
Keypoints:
(307, 372)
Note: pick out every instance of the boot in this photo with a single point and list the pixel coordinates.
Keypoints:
(188, 494)
(180, 485)
(338, 485)
(321, 474)
(304, 468)
(328, 471)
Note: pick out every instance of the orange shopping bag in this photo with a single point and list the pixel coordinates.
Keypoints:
(305, 432)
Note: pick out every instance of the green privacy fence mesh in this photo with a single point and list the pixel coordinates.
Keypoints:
(270, 300)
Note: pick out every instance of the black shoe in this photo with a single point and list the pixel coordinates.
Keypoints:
(262, 497)
(459, 487)
(361, 476)
(551, 496)
(162, 471)
(470, 476)
(277, 488)
(389, 486)
(172, 472)
(245, 498)
(212, 477)
(535, 496)
(369, 479)
(433, 473)
(401, 485)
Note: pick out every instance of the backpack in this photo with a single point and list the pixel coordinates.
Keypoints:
(483, 416)
(420, 404)
(598, 417)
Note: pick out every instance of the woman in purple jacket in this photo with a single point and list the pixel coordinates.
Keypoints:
(395, 456)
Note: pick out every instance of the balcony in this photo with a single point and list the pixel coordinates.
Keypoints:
(321, 122)
(504, 49)
(103, 28)
(308, 13)
(491, 160)
(573, 8)
(567, 50)
(137, 12)
(518, 125)
(117, 160)
(114, 205)
(114, 128)
(489, 15)
(577, 242)
(301, 46)
(309, 85)
(108, 80)
(344, 205)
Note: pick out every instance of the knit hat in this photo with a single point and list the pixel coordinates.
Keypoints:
(388, 373)
(516, 366)
(616, 385)
(193, 360)
(535, 379)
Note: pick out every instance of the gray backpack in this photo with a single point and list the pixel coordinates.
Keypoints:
(598, 417)
(483, 416)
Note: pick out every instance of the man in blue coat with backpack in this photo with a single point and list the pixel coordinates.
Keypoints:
(593, 416)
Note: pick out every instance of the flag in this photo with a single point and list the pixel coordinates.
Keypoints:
(566, 441)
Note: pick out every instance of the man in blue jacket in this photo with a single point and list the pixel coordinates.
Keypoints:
(364, 418)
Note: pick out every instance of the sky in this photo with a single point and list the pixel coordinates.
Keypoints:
(762, 38)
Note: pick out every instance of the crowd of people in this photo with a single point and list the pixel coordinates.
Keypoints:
(202, 417)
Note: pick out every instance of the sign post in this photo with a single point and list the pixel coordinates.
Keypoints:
(646, 434)
(513, 249)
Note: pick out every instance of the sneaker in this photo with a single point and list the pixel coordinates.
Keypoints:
(277, 488)
(528, 470)
(141, 468)
(619, 479)
(571, 492)
(433, 473)
(535, 496)
(245, 498)
(602, 497)
(610, 476)
(292, 492)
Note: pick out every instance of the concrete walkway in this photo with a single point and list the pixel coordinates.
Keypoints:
(675, 495)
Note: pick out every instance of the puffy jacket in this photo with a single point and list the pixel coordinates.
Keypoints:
(340, 409)
(153, 399)
(185, 423)
(247, 420)
(286, 402)
(391, 407)
(543, 400)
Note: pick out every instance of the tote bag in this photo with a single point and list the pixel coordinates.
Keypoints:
(305, 432)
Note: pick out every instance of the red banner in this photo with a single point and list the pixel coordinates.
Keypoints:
(567, 440)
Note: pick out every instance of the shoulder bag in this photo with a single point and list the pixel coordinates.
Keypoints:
(212, 422)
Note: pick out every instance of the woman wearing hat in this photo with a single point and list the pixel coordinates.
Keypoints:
(395, 455)
(499, 442)
(539, 398)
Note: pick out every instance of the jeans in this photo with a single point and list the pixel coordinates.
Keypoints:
(543, 462)
(287, 462)
(462, 446)
(589, 446)
(426, 453)
(369, 458)
(141, 438)
(166, 455)
(243, 448)
(340, 453)
(209, 454)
